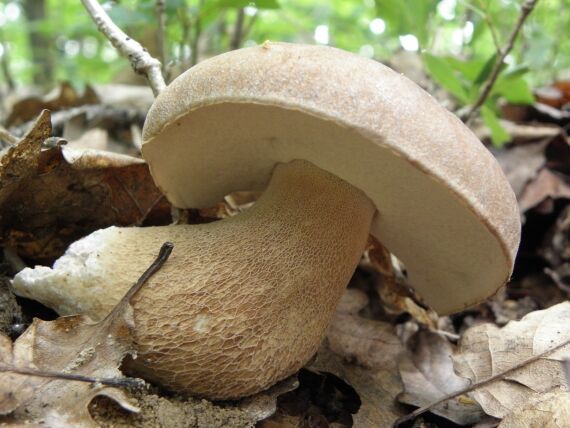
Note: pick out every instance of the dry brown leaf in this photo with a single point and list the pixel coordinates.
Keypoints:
(369, 343)
(551, 410)
(521, 164)
(427, 374)
(396, 296)
(64, 97)
(71, 345)
(486, 350)
(52, 197)
(540, 193)
(377, 389)
(363, 352)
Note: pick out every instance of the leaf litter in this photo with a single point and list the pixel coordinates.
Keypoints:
(377, 325)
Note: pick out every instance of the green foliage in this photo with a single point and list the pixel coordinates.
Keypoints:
(458, 40)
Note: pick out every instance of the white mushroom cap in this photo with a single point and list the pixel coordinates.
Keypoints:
(444, 206)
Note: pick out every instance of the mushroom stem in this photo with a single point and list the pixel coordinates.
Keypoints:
(243, 302)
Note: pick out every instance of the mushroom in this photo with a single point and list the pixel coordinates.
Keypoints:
(343, 147)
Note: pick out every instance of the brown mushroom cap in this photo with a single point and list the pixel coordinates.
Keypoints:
(444, 206)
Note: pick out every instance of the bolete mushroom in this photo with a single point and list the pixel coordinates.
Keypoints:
(343, 147)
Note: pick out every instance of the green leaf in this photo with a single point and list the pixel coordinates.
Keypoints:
(499, 135)
(514, 90)
(470, 69)
(518, 71)
(486, 70)
(445, 76)
(267, 4)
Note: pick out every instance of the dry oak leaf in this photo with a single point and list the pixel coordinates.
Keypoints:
(62, 97)
(369, 343)
(363, 353)
(72, 345)
(50, 197)
(551, 410)
(487, 350)
(427, 374)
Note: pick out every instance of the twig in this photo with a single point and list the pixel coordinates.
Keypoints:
(141, 61)
(162, 257)
(235, 43)
(7, 137)
(526, 9)
(94, 114)
(476, 385)
(126, 382)
(161, 31)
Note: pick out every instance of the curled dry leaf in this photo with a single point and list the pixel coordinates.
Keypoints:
(396, 296)
(64, 97)
(363, 352)
(540, 193)
(521, 164)
(50, 197)
(377, 389)
(427, 374)
(486, 351)
(71, 345)
(551, 410)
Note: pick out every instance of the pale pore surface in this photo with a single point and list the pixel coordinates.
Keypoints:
(452, 257)
(241, 303)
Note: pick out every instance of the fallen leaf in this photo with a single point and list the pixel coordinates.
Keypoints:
(486, 350)
(427, 374)
(547, 187)
(377, 389)
(397, 297)
(521, 164)
(50, 197)
(321, 400)
(363, 352)
(369, 343)
(550, 410)
(70, 345)
(64, 97)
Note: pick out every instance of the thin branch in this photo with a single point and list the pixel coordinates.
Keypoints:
(141, 61)
(526, 9)
(490, 25)
(476, 385)
(235, 43)
(161, 31)
(126, 382)
(162, 257)
(7, 137)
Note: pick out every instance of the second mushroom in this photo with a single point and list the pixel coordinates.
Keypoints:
(343, 147)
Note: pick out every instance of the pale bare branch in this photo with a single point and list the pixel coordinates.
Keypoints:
(141, 61)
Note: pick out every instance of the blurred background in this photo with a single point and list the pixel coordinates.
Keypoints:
(447, 44)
